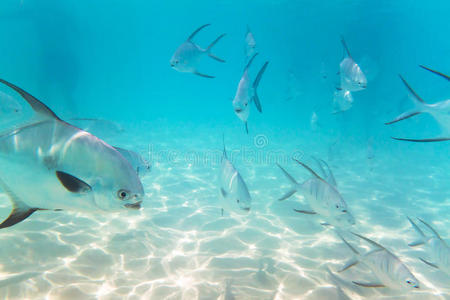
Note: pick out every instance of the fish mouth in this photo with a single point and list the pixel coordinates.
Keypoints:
(136, 205)
(247, 209)
(238, 110)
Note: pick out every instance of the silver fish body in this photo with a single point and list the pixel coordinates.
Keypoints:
(342, 100)
(323, 198)
(233, 188)
(389, 270)
(352, 77)
(47, 163)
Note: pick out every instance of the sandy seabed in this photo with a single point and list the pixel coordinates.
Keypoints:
(180, 247)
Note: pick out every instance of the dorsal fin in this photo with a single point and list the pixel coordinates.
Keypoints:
(371, 242)
(37, 106)
(344, 44)
(436, 72)
(196, 31)
(310, 170)
(431, 228)
(224, 149)
(250, 62)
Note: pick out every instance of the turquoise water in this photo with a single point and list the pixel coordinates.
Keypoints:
(109, 60)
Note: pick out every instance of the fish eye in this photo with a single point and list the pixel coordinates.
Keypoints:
(337, 205)
(122, 194)
(237, 200)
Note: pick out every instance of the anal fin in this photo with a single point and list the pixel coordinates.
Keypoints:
(369, 284)
(429, 263)
(203, 75)
(307, 212)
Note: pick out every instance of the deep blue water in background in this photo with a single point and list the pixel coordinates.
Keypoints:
(109, 59)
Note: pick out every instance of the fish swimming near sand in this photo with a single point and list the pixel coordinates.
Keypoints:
(246, 93)
(352, 77)
(48, 164)
(440, 111)
(137, 161)
(234, 191)
(322, 197)
(342, 100)
(389, 270)
(437, 248)
(187, 56)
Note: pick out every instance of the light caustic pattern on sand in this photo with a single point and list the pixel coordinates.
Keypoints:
(179, 246)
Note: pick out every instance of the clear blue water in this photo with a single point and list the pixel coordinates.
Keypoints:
(110, 60)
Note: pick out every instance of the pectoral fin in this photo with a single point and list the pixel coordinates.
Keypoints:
(73, 184)
(369, 284)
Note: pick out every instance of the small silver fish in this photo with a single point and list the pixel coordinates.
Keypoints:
(437, 247)
(314, 121)
(139, 163)
(246, 93)
(250, 44)
(440, 111)
(352, 78)
(187, 56)
(233, 189)
(323, 198)
(388, 268)
(48, 164)
(342, 100)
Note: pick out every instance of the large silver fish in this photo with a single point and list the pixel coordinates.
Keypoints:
(322, 196)
(352, 78)
(437, 248)
(388, 268)
(440, 111)
(187, 56)
(48, 164)
(233, 189)
(246, 93)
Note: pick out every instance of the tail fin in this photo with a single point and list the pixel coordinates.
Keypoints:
(436, 72)
(422, 238)
(196, 31)
(418, 101)
(208, 50)
(250, 62)
(352, 261)
(255, 86)
(293, 182)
